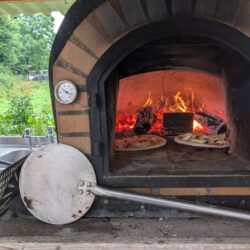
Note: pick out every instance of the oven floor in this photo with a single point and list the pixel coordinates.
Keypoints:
(178, 159)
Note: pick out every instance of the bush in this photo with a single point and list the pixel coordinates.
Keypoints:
(17, 116)
(23, 104)
(20, 115)
(39, 123)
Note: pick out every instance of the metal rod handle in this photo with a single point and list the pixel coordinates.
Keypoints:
(213, 210)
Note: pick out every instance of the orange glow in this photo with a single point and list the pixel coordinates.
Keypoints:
(149, 101)
(197, 127)
(179, 103)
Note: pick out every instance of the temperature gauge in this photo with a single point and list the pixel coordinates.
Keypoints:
(65, 92)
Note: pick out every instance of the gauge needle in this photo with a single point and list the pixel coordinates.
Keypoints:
(67, 92)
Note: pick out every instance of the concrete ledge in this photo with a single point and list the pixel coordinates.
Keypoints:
(128, 233)
(111, 246)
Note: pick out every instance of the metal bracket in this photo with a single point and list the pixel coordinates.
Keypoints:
(83, 188)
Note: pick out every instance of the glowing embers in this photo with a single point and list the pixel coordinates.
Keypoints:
(152, 112)
(145, 98)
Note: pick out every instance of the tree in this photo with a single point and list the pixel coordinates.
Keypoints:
(37, 36)
(10, 45)
(26, 41)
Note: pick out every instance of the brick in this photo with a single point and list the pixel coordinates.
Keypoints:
(60, 74)
(180, 7)
(73, 123)
(139, 190)
(133, 12)
(77, 57)
(157, 9)
(243, 18)
(92, 38)
(205, 8)
(110, 20)
(183, 191)
(81, 103)
(81, 143)
(227, 10)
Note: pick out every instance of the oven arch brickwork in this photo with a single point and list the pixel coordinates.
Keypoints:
(105, 24)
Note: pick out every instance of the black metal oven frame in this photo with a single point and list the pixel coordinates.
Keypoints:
(96, 89)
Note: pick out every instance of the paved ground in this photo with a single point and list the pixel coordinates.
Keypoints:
(172, 233)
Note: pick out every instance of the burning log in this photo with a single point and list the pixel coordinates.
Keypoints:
(145, 118)
(216, 124)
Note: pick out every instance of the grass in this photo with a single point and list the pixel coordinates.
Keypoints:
(38, 91)
(4, 104)
(24, 104)
(40, 96)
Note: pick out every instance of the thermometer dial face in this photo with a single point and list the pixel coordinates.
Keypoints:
(65, 92)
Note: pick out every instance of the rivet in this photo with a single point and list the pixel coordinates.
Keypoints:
(88, 184)
(80, 191)
(81, 183)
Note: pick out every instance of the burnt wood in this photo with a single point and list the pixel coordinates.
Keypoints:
(145, 118)
(178, 122)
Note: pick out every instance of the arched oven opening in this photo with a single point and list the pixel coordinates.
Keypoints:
(172, 88)
(163, 69)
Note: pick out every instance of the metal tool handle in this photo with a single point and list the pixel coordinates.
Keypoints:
(105, 192)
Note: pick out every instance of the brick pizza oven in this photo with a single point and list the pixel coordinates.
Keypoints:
(122, 54)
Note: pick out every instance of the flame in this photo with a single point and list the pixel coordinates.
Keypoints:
(181, 106)
(149, 101)
(197, 126)
(179, 103)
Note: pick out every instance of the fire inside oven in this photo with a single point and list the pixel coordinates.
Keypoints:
(170, 102)
(162, 113)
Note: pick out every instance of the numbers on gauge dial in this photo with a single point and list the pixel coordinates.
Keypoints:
(65, 92)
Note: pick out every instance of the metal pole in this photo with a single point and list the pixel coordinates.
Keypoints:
(104, 192)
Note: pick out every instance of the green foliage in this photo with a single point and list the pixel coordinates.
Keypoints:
(39, 123)
(37, 36)
(22, 109)
(25, 42)
(18, 114)
(10, 45)
(5, 75)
